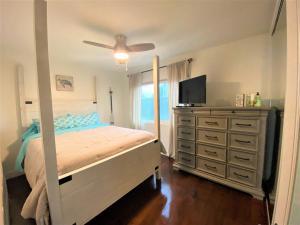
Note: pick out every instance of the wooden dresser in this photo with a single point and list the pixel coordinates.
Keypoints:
(225, 145)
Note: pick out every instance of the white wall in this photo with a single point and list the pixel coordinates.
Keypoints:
(243, 66)
(279, 69)
(120, 88)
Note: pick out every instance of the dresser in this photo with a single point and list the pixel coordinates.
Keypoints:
(222, 144)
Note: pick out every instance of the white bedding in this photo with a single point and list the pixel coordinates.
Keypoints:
(74, 150)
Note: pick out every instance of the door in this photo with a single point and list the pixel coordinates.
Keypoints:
(284, 204)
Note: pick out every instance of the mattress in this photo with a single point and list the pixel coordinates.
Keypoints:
(74, 150)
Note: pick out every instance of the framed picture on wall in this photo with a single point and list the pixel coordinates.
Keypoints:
(64, 83)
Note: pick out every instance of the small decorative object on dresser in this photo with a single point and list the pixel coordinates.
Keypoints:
(64, 83)
(223, 144)
(240, 100)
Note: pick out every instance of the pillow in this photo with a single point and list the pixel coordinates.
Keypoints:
(60, 123)
(63, 122)
(86, 120)
(71, 121)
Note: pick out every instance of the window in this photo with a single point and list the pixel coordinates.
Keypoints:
(147, 106)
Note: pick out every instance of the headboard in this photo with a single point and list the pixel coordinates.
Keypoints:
(29, 108)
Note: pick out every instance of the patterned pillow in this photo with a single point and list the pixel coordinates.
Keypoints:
(63, 122)
(60, 123)
(86, 120)
(70, 121)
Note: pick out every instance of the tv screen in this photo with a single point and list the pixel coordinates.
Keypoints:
(193, 91)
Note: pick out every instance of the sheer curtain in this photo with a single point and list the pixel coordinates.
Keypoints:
(135, 85)
(176, 72)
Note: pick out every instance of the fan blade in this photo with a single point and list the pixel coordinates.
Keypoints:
(141, 47)
(98, 44)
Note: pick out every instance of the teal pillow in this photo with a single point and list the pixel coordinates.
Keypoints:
(63, 122)
(60, 123)
(86, 120)
(71, 121)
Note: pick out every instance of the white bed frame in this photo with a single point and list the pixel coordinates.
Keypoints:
(78, 196)
(91, 189)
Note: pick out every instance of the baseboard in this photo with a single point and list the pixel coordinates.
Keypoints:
(13, 174)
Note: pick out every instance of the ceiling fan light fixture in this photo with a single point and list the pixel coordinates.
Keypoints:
(121, 57)
(121, 49)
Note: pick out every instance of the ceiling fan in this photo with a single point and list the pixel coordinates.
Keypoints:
(121, 49)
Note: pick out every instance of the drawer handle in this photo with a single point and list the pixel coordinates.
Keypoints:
(185, 120)
(240, 175)
(241, 158)
(186, 159)
(185, 146)
(211, 137)
(244, 124)
(187, 133)
(210, 152)
(242, 141)
(210, 167)
(212, 123)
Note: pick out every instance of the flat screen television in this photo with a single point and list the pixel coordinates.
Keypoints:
(193, 91)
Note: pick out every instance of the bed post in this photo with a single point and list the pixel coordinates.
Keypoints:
(95, 101)
(156, 107)
(21, 92)
(46, 113)
(156, 96)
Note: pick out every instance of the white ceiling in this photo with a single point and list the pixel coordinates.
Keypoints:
(175, 27)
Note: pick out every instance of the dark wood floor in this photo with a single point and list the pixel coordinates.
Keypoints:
(183, 199)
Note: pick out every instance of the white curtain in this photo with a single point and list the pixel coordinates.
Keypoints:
(135, 85)
(176, 72)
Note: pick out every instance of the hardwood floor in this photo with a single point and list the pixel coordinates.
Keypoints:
(183, 199)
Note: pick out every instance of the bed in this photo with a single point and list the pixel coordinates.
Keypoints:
(77, 196)
(106, 153)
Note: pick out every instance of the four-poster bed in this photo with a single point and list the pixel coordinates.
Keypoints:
(79, 195)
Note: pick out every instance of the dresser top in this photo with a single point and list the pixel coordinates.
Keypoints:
(224, 108)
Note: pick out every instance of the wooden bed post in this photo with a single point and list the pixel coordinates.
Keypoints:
(156, 96)
(21, 92)
(46, 113)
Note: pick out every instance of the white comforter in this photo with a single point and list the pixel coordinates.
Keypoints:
(73, 150)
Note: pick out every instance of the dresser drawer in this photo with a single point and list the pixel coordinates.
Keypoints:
(186, 146)
(246, 125)
(244, 159)
(213, 167)
(248, 142)
(211, 137)
(187, 133)
(186, 159)
(211, 152)
(212, 122)
(186, 120)
(240, 175)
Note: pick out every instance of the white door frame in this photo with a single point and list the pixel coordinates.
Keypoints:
(289, 148)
